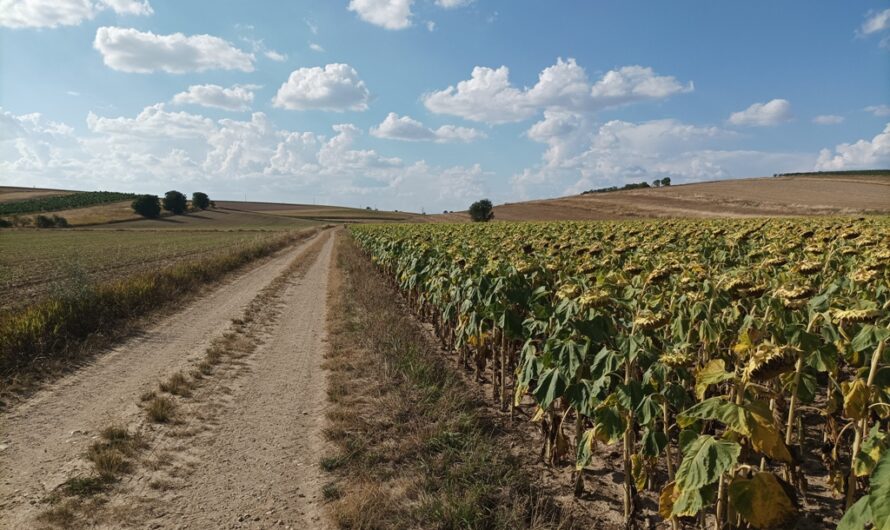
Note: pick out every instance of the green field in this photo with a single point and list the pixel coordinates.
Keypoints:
(34, 263)
(62, 202)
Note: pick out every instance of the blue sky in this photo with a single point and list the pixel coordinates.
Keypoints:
(430, 104)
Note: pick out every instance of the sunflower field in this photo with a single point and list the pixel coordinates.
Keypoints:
(729, 361)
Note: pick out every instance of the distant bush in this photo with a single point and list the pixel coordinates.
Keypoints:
(43, 221)
(5, 224)
(481, 211)
(147, 206)
(870, 172)
(63, 202)
(200, 200)
(631, 186)
(174, 202)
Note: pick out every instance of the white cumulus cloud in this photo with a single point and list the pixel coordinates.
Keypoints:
(766, 114)
(397, 127)
(158, 149)
(864, 154)
(449, 4)
(876, 22)
(828, 119)
(582, 155)
(236, 98)
(881, 111)
(55, 13)
(389, 14)
(131, 50)
(129, 7)
(275, 56)
(489, 96)
(335, 87)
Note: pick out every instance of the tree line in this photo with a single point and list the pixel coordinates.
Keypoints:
(175, 202)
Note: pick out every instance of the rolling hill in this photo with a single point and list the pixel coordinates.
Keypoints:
(805, 194)
(226, 215)
(791, 195)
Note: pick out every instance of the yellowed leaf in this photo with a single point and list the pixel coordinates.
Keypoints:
(666, 500)
(762, 501)
(765, 438)
(855, 399)
(638, 470)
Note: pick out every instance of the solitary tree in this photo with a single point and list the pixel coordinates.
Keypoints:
(481, 211)
(147, 206)
(656, 183)
(200, 200)
(666, 181)
(174, 202)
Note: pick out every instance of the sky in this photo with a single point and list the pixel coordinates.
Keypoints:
(429, 105)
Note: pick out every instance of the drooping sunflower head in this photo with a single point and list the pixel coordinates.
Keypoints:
(737, 284)
(777, 261)
(809, 267)
(794, 296)
(523, 266)
(768, 361)
(864, 275)
(851, 316)
(568, 291)
(794, 292)
(649, 321)
(595, 298)
(677, 358)
(632, 268)
(658, 275)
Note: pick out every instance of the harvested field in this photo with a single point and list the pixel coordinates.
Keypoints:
(778, 196)
(34, 263)
(16, 193)
(318, 212)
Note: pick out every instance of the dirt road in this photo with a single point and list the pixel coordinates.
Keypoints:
(249, 443)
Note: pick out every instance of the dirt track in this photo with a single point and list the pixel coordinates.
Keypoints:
(263, 414)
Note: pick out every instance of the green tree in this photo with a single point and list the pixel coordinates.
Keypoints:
(482, 211)
(147, 206)
(200, 200)
(666, 181)
(43, 221)
(174, 201)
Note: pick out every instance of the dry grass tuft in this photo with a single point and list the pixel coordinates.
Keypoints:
(161, 485)
(62, 515)
(178, 384)
(84, 486)
(161, 409)
(111, 455)
(110, 463)
(365, 507)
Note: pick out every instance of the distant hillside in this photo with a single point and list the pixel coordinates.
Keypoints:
(319, 212)
(113, 209)
(848, 193)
